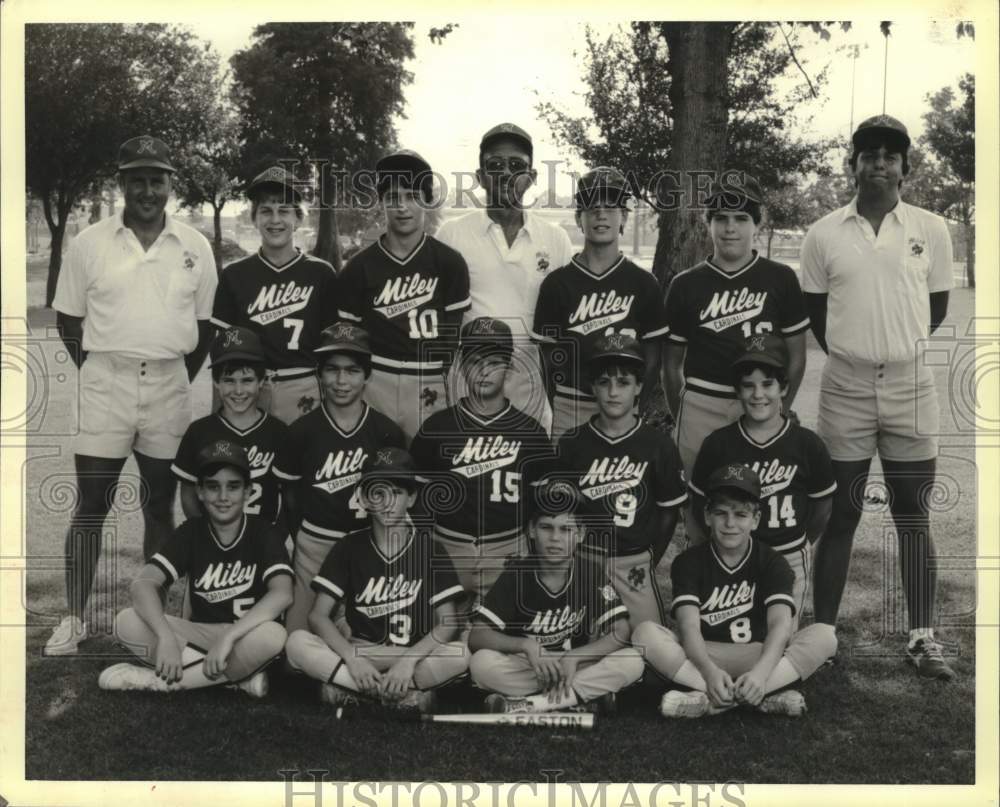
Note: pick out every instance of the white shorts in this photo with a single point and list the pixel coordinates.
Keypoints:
(127, 405)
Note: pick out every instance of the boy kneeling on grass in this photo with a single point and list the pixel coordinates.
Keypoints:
(733, 605)
(551, 634)
(239, 584)
(399, 597)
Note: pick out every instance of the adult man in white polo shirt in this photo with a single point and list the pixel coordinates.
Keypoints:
(876, 276)
(133, 300)
(509, 251)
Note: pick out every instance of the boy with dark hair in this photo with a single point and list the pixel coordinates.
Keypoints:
(320, 463)
(409, 291)
(237, 364)
(239, 584)
(399, 598)
(733, 605)
(598, 291)
(630, 476)
(478, 460)
(794, 467)
(282, 294)
(715, 306)
(551, 634)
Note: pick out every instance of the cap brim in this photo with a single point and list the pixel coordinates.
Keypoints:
(879, 132)
(629, 357)
(225, 358)
(341, 347)
(148, 164)
(528, 146)
(206, 466)
(758, 358)
(753, 494)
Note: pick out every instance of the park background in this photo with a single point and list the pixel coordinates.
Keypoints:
(62, 708)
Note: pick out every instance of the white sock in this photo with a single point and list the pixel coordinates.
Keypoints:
(689, 676)
(921, 633)
(782, 675)
(342, 677)
(541, 702)
(194, 671)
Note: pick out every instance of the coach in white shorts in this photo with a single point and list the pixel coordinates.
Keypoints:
(509, 251)
(876, 274)
(135, 292)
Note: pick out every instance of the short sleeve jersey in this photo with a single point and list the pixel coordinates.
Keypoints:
(712, 313)
(261, 441)
(476, 471)
(388, 600)
(287, 306)
(519, 604)
(224, 581)
(733, 602)
(573, 303)
(794, 468)
(402, 302)
(325, 464)
(625, 481)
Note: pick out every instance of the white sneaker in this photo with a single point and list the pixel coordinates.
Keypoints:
(501, 704)
(337, 696)
(256, 686)
(133, 676)
(788, 702)
(66, 638)
(676, 703)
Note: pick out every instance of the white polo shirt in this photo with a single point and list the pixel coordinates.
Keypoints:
(878, 308)
(136, 303)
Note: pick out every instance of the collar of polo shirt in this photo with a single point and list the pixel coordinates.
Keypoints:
(528, 226)
(169, 227)
(899, 211)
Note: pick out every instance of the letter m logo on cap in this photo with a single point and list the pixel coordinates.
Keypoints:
(146, 146)
(231, 338)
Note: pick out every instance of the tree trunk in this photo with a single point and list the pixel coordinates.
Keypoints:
(770, 238)
(217, 235)
(95, 210)
(327, 244)
(57, 231)
(699, 67)
(970, 254)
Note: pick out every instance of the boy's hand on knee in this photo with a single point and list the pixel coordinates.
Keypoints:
(398, 678)
(218, 656)
(720, 687)
(750, 688)
(168, 659)
(365, 675)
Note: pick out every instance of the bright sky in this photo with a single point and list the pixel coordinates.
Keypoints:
(461, 88)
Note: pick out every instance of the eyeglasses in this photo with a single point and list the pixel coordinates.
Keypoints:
(516, 165)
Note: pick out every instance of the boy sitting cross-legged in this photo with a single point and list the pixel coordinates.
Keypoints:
(733, 605)
(399, 599)
(551, 634)
(239, 584)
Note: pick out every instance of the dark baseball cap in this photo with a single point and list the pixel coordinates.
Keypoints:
(615, 346)
(734, 191)
(485, 335)
(236, 344)
(144, 151)
(391, 464)
(508, 131)
(220, 453)
(275, 179)
(881, 126)
(555, 497)
(764, 348)
(603, 183)
(735, 476)
(343, 337)
(406, 169)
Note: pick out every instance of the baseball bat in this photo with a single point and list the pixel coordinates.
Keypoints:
(583, 721)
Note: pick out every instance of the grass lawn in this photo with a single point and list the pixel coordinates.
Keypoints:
(870, 719)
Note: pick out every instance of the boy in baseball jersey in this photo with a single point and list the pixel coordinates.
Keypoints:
(630, 477)
(598, 291)
(551, 634)
(239, 584)
(796, 475)
(399, 599)
(237, 364)
(714, 306)
(284, 295)
(409, 291)
(733, 605)
(478, 459)
(320, 463)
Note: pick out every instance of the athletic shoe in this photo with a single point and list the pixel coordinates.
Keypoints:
(500, 704)
(788, 702)
(684, 704)
(133, 676)
(925, 655)
(604, 705)
(66, 637)
(337, 696)
(256, 686)
(421, 700)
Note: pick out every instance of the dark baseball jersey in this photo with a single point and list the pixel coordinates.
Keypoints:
(261, 440)
(519, 604)
(288, 306)
(476, 472)
(388, 600)
(224, 581)
(733, 602)
(794, 468)
(624, 481)
(402, 302)
(573, 303)
(325, 463)
(712, 313)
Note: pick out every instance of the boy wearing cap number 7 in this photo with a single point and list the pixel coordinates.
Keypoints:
(733, 605)
(598, 292)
